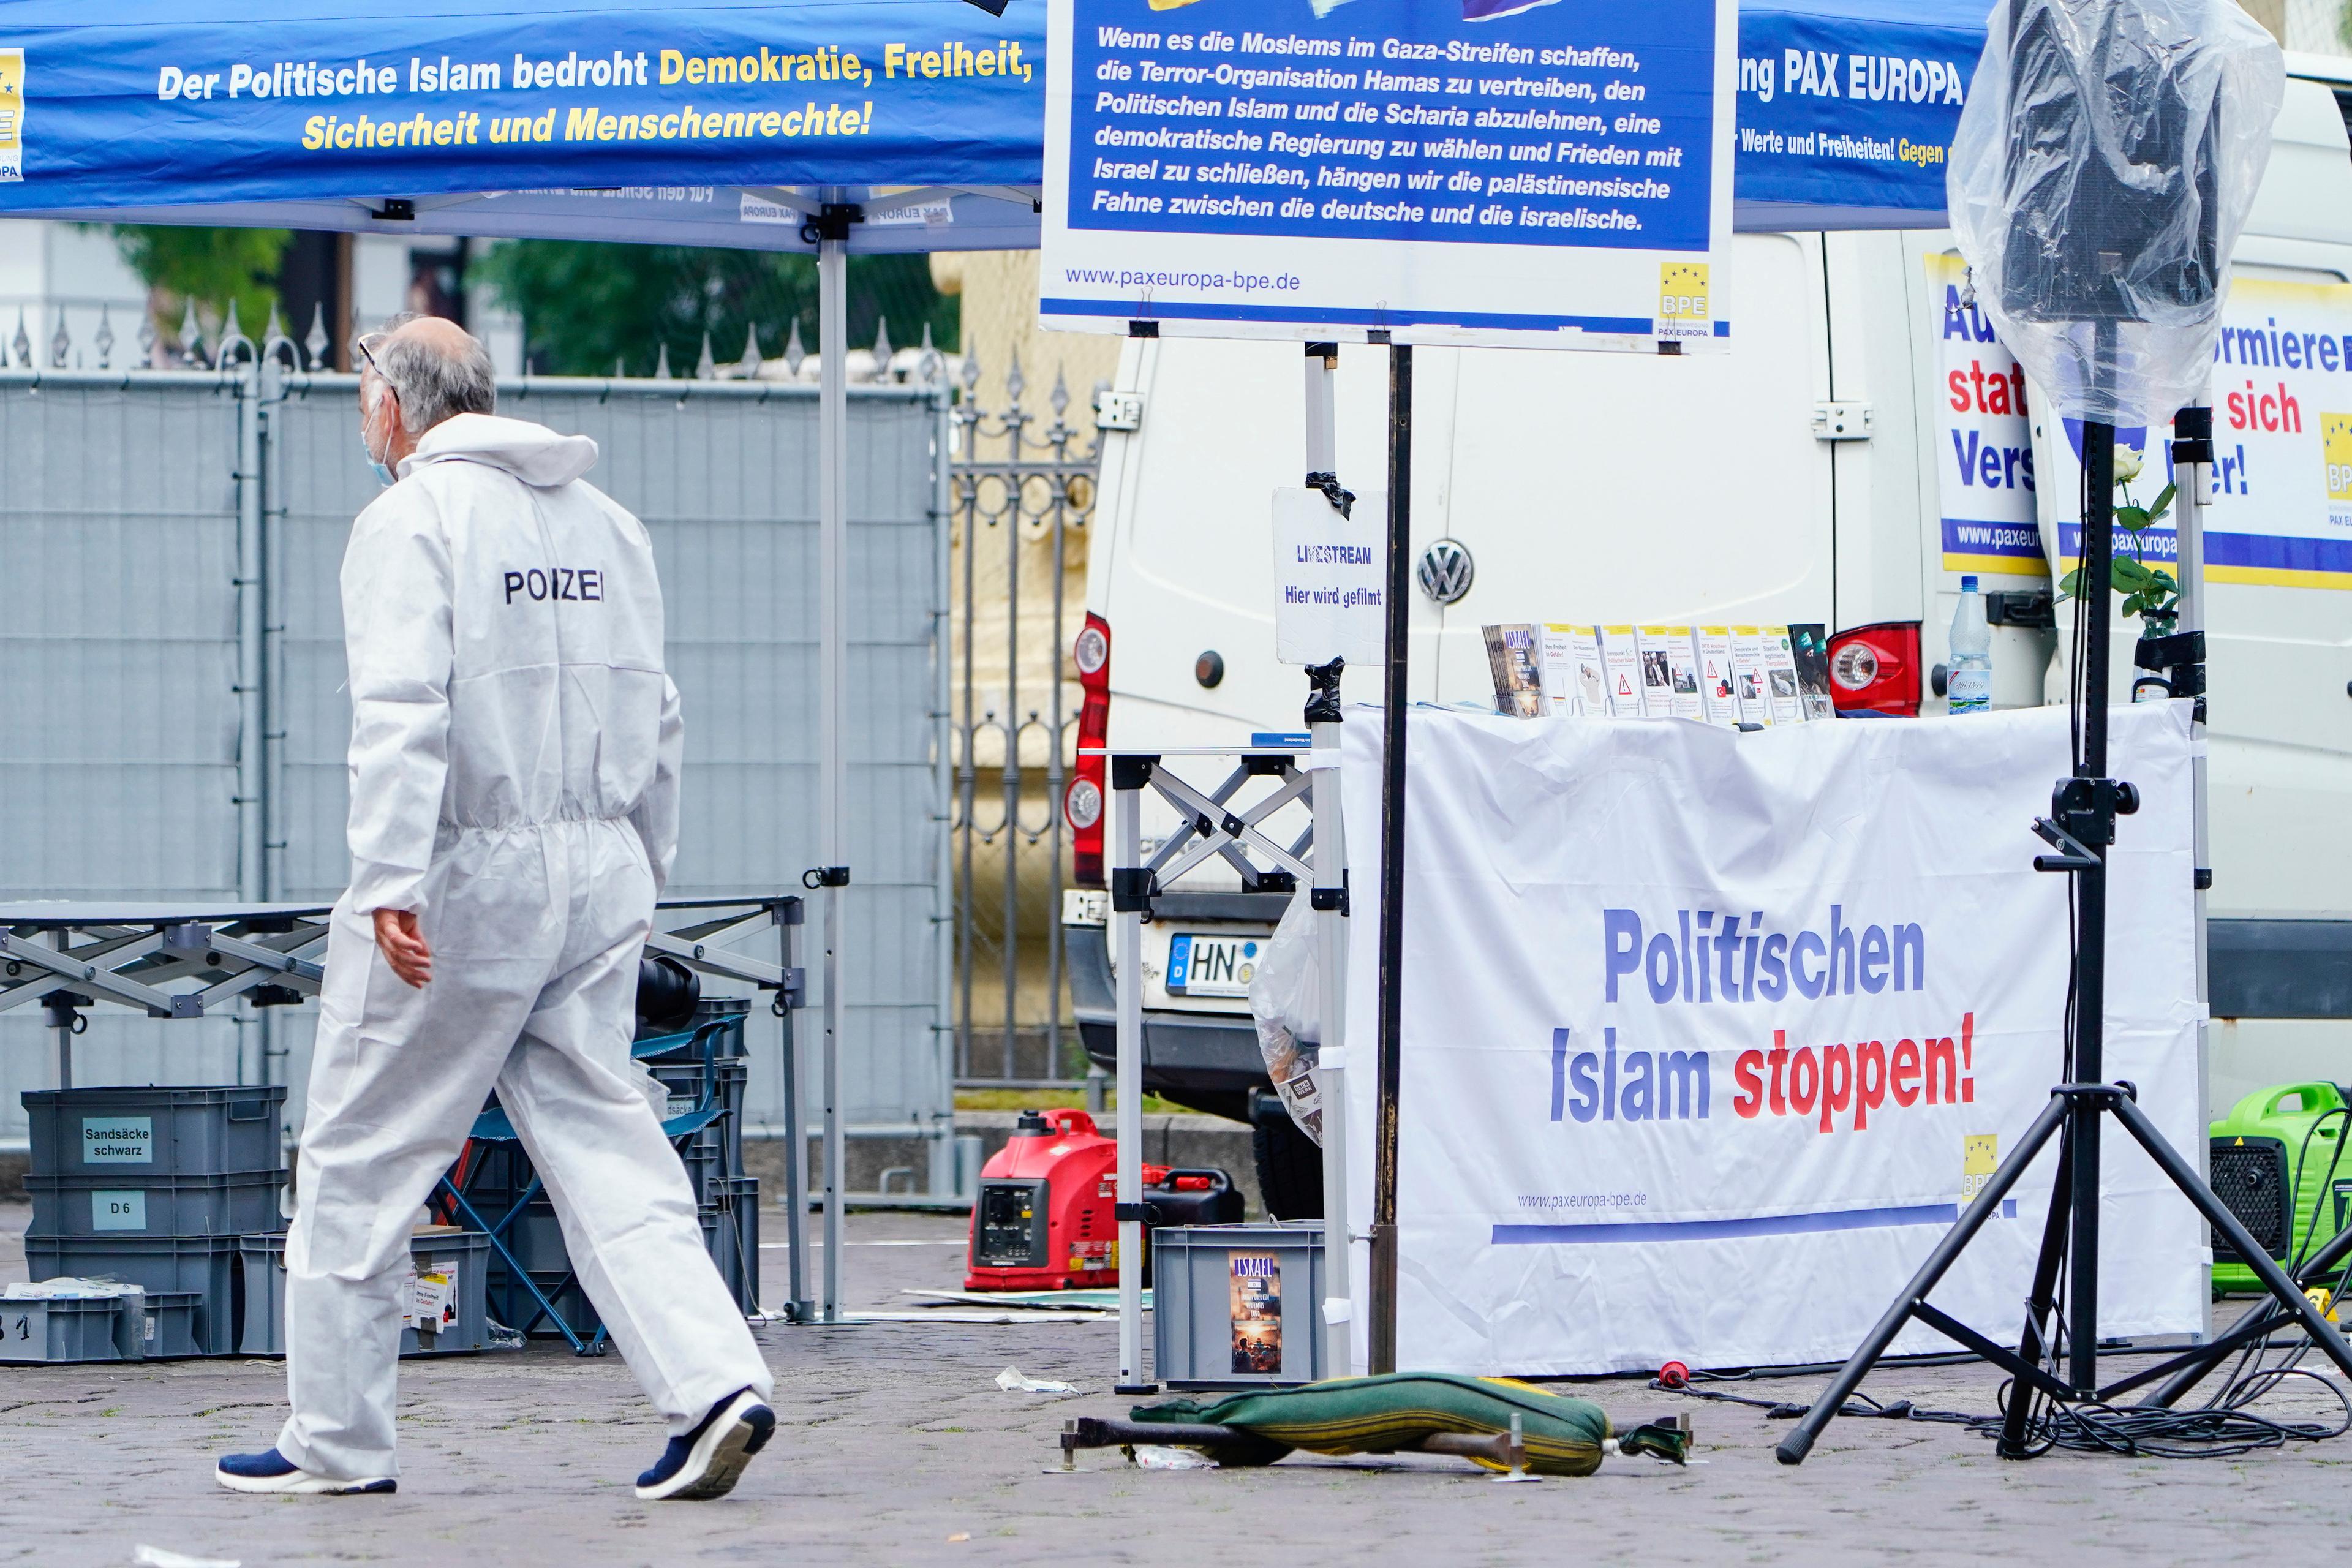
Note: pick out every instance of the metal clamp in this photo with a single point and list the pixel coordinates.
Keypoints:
(1131, 889)
(832, 222)
(825, 877)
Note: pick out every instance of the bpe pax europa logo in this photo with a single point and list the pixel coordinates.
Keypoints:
(1682, 309)
(12, 114)
(2335, 451)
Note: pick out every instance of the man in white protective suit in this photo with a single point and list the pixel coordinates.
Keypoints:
(514, 787)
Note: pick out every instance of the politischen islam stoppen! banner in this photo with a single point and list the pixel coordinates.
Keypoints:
(1444, 171)
(1707, 1036)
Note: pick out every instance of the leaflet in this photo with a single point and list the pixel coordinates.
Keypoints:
(1620, 661)
(1780, 676)
(1670, 673)
(1716, 682)
(1748, 675)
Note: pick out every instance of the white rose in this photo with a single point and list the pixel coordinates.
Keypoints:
(2127, 464)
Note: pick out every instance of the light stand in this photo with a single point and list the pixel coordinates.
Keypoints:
(2081, 826)
(2075, 246)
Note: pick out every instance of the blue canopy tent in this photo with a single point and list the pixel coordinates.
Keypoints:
(733, 123)
(813, 125)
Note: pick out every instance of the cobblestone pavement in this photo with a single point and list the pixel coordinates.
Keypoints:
(896, 1446)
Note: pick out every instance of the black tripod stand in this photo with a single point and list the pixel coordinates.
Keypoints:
(2080, 828)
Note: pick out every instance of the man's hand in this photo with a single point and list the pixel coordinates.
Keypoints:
(403, 946)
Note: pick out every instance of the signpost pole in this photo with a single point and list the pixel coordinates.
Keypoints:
(1382, 1349)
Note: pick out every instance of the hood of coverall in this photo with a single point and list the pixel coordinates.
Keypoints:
(532, 453)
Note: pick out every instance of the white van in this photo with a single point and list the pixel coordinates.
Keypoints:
(1800, 477)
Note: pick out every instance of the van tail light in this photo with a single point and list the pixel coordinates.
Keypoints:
(1083, 803)
(1876, 669)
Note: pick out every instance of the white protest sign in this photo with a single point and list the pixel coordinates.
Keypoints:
(1329, 581)
(1555, 174)
(2281, 509)
(1984, 436)
(1708, 1036)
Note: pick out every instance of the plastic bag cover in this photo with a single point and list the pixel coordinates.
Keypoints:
(2106, 158)
(1285, 1002)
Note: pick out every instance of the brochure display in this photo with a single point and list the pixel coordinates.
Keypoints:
(1744, 1036)
(1441, 171)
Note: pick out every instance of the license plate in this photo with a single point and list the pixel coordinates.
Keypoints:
(1213, 965)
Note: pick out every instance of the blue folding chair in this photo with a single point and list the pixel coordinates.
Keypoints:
(468, 1188)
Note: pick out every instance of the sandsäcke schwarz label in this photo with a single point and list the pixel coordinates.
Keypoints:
(118, 1139)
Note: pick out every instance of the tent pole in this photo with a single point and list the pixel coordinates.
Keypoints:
(1323, 715)
(833, 597)
(1127, 776)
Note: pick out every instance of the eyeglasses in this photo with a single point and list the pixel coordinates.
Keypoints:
(362, 343)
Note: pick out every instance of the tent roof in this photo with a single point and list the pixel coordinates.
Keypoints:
(950, 161)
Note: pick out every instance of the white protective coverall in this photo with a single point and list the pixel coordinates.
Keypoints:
(514, 781)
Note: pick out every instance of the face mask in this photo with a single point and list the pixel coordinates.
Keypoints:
(377, 465)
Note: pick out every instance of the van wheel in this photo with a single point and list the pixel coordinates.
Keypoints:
(1289, 1165)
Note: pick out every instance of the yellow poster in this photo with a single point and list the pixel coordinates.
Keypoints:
(12, 114)
(1682, 309)
(2335, 451)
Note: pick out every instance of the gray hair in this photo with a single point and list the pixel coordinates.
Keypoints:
(433, 386)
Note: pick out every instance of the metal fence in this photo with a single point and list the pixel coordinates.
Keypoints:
(171, 643)
(1023, 492)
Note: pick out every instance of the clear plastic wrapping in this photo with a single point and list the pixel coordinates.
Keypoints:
(2106, 158)
(1286, 1002)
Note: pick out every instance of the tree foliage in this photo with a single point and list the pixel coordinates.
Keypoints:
(209, 266)
(587, 306)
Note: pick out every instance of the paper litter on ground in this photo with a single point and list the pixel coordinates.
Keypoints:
(1011, 1382)
(159, 1557)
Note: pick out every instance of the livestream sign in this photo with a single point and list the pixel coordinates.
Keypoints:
(1708, 1037)
(1544, 172)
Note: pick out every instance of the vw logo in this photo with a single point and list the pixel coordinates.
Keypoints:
(1446, 571)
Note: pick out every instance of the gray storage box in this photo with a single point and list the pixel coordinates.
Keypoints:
(1237, 1306)
(152, 1130)
(79, 1329)
(730, 1233)
(204, 1267)
(168, 1326)
(464, 1256)
(136, 1203)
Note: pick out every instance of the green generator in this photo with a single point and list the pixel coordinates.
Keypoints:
(2275, 1162)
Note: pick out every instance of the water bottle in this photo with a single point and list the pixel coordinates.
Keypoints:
(1968, 683)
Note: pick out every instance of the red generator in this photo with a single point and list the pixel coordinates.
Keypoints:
(1045, 1216)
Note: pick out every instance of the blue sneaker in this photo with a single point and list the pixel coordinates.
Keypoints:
(273, 1472)
(704, 1462)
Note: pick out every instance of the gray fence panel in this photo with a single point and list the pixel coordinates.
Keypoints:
(726, 482)
(118, 645)
(118, 529)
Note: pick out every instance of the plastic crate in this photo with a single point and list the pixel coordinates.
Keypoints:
(706, 1165)
(744, 1193)
(129, 1202)
(168, 1325)
(206, 1268)
(464, 1256)
(68, 1329)
(682, 1083)
(1237, 1306)
(155, 1131)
